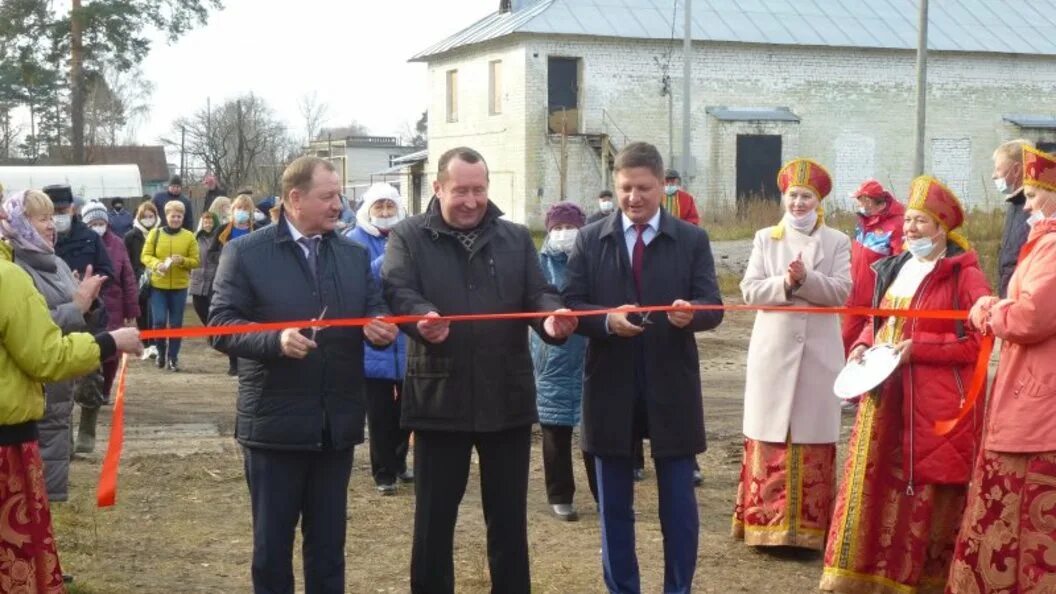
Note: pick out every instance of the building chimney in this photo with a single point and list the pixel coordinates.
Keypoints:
(513, 5)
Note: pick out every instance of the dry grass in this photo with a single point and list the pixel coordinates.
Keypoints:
(727, 223)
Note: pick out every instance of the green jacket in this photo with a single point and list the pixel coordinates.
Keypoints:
(33, 350)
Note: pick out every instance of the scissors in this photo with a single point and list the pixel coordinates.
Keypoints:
(315, 329)
(642, 319)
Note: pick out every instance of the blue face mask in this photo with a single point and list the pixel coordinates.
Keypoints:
(241, 217)
(921, 248)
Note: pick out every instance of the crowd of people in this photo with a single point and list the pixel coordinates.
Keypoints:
(969, 511)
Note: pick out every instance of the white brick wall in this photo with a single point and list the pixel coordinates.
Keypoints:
(856, 109)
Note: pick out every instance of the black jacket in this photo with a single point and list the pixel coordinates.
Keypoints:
(480, 378)
(80, 247)
(678, 265)
(597, 216)
(163, 197)
(284, 403)
(212, 195)
(134, 242)
(1012, 240)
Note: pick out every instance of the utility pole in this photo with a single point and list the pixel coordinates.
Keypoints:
(670, 118)
(76, 85)
(922, 87)
(687, 83)
(183, 150)
(564, 154)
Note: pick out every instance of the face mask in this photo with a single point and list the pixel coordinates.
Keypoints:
(383, 223)
(100, 230)
(563, 239)
(63, 222)
(606, 206)
(1001, 185)
(241, 217)
(118, 208)
(921, 248)
(803, 224)
(148, 222)
(670, 189)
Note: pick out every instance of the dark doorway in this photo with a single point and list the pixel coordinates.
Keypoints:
(758, 161)
(563, 94)
(1048, 147)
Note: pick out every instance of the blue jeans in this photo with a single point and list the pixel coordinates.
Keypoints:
(166, 311)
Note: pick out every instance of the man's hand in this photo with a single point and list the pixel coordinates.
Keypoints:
(295, 345)
(380, 333)
(680, 319)
(560, 327)
(127, 341)
(88, 289)
(621, 326)
(434, 331)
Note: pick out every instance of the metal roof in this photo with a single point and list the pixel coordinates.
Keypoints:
(1036, 122)
(752, 114)
(1008, 26)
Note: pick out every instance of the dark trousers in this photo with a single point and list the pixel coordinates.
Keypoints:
(143, 321)
(285, 487)
(441, 469)
(201, 307)
(678, 521)
(388, 442)
(557, 465)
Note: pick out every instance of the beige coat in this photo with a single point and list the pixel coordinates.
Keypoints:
(793, 359)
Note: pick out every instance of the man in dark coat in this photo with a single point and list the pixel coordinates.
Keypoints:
(175, 192)
(469, 384)
(120, 218)
(605, 207)
(76, 244)
(212, 190)
(300, 396)
(642, 375)
(1008, 178)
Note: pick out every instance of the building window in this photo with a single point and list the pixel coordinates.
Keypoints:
(563, 78)
(452, 95)
(495, 87)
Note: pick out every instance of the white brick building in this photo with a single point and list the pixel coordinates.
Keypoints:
(770, 82)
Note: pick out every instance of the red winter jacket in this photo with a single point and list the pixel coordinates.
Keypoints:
(942, 359)
(877, 237)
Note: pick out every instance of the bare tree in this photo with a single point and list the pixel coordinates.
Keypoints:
(314, 112)
(242, 142)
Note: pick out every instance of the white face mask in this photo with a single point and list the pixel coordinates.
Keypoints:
(63, 222)
(1001, 185)
(563, 239)
(606, 206)
(384, 223)
(921, 248)
(803, 224)
(148, 222)
(1036, 216)
(670, 189)
(100, 230)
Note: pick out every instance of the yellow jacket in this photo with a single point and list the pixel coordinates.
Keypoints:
(5, 251)
(157, 248)
(33, 350)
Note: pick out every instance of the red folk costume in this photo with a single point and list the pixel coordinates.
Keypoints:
(788, 471)
(903, 491)
(876, 237)
(681, 206)
(1007, 543)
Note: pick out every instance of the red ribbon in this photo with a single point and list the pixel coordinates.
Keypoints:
(106, 493)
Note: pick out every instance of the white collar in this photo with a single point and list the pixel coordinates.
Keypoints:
(654, 222)
(296, 233)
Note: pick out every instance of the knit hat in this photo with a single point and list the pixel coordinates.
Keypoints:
(176, 181)
(94, 211)
(565, 213)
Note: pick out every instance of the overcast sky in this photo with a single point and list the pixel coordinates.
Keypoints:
(352, 53)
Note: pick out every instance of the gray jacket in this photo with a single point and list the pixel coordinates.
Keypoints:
(54, 280)
(480, 378)
(209, 254)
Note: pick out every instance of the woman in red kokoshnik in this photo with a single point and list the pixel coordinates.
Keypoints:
(1008, 541)
(903, 490)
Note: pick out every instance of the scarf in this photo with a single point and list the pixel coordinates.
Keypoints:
(19, 231)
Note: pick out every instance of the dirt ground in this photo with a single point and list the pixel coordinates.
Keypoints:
(182, 521)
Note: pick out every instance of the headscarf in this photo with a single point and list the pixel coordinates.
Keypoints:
(19, 231)
(376, 192)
